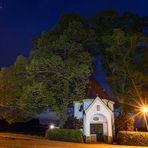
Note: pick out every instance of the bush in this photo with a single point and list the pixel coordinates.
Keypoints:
(68, 135)
(73, 123)
(132, 138)
(124, 122)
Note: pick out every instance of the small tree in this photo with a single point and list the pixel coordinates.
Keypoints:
(124, 122)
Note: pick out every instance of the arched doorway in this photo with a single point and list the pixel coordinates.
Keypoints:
(98, 128)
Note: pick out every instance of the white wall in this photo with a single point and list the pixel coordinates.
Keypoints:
(105, 114)
(86, 103)
(77, 113)
(102, 120)
(105, 118)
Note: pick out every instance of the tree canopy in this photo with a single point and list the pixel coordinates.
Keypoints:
(125, 65)
(57, 71)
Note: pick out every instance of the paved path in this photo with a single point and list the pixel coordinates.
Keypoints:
(8, 140)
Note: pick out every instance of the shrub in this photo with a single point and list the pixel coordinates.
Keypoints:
(124, 122)
(68, 135)
(73, 123)
(132, 138)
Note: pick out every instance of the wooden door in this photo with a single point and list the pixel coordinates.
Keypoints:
(98, 130)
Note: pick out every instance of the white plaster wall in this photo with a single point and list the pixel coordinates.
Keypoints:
(102, 120)
(77, 113)
(104, 111)
(84, 125)
(86, 103)
(111, 106)
(109, 103)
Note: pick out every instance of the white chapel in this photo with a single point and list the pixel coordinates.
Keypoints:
(97, 114)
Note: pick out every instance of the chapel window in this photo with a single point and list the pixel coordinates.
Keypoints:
(98, 107)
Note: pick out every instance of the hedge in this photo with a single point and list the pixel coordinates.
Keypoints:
(68, 135)
(132, 138)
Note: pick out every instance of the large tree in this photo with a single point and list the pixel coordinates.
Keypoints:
(124, 61)
(62, 66)
(54, 75)
(106, 21)
(12, 83)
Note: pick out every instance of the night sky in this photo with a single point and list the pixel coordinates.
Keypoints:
(23, 20)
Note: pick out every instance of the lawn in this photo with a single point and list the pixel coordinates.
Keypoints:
(9, 140)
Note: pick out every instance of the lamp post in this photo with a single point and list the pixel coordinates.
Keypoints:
(145, 113)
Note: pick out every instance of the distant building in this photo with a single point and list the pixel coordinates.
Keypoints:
(97, 114)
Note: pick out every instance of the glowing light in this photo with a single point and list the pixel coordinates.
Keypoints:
(145, 109)
(52, 126)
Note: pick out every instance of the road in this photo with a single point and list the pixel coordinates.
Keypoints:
(9, 140)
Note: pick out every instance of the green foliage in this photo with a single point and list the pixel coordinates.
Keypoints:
(54, 75)
(34, 99)
(124, 60)
(73, 123)
(133, 138)
(63, 66)
(106, 21)
(67, 135)
(12, 82)
(56, 72)
(124, 122)
(12, 79)
(118, 54)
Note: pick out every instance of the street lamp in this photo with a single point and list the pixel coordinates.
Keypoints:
(145, 109)
(52, 126)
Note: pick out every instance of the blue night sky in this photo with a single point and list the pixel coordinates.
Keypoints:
(23, 20)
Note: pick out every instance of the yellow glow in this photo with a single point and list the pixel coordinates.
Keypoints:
(145, 109)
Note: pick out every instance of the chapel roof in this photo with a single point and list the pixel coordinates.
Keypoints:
(95, 89)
